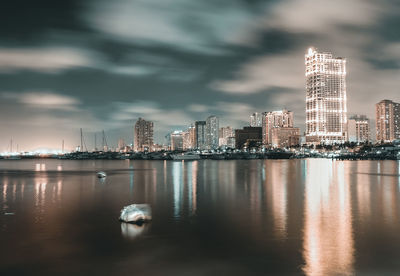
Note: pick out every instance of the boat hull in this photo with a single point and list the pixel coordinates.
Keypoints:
(185, 157)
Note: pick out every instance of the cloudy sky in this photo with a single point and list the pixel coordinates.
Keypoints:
(100, 64)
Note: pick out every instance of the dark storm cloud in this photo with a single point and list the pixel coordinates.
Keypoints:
(176, 61)
(388, 27)
(24, 20)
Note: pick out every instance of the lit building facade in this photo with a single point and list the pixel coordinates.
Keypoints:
(275, 119)
(143, 135)
(192, 136)
(387, 121)
(224, 134)
(231, 142)
(177, 138)
(284, 137)
(358, 129)
(256, 120)
(326, 99)
(200, 132)
(186, 140)
(212, 132)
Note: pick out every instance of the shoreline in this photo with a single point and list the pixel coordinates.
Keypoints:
(216, 158)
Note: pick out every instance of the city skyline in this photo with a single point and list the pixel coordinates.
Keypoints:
(277, 129)
(76, 65)
(274, 125)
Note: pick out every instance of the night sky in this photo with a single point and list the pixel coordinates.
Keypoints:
(102, 64)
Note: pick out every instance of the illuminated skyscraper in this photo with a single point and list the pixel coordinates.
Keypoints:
(326, 100)
(212, 132)
(143, 136)
(256, 119)
(387, 121)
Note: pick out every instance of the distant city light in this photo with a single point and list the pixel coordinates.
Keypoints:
(37, 152)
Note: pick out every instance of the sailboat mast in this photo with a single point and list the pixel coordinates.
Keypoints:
(102, 141)
(81, 148)
(105, 145)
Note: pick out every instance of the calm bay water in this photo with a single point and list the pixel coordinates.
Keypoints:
(239, 217)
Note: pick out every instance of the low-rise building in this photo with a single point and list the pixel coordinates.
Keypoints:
(283, 137)
(358, 129)
(248, 135)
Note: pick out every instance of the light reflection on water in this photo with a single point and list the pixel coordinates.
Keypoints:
(328, 235)
(132, 231)
(184, 176)
(278, 197)
(317, 217)
(178, 183)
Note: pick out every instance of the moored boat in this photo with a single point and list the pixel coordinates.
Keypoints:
(136, 213)
(185, 156)
(101, 174)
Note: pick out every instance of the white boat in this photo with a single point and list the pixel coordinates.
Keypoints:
(101, 174)
(136, 213)
(186, 156)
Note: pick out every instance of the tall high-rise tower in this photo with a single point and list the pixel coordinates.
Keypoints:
(387, 121)
(200, 131)
(212, 132)
(192, 136)
(326, 100)
(143, 136)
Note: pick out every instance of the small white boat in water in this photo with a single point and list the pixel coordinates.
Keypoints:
(101, 174)
(136, 213)
(186, 156)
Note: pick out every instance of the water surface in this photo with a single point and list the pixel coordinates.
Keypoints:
(238, 217)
